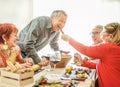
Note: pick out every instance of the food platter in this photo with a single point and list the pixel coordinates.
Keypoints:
(54, 85)
(80, 74)
(73, 77)
(49, 85)
(45, 82)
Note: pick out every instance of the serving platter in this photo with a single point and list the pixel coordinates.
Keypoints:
(46, 82)
(80, 74)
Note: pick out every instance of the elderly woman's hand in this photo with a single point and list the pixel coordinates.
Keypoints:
(65, 37)
(78, 57)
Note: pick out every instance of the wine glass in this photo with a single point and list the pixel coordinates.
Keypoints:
(55, 58)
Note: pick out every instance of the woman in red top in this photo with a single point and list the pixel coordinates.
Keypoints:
(8, 48)
(108, 68)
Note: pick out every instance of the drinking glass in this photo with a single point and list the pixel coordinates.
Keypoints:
(55, 58)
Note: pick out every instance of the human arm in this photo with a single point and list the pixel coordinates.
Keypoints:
(33, 35)
(20, 59)
(2, 62)
(91, 51)
(25, 60)
(32, 53)
(83, 62)
(89, 64)
(37, 37)
(54, 42)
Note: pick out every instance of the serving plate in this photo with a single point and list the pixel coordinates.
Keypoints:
(46, 82)
(77, 74)
(73, 77)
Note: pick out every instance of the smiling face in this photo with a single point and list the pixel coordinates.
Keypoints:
(58, 22)
(8, 34)
(95, 34)
(12, 39)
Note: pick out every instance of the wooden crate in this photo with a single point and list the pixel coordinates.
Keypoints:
(17, 79)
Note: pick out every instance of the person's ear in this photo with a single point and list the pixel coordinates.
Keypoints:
(5, 45)
(4, 37)
(111, 36)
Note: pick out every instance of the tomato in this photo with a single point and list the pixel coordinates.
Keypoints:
(43, 81)
(67, 85)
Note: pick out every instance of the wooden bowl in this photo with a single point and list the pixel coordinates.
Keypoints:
(65, 58)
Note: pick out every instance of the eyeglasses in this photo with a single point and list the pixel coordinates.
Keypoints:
(94, 33)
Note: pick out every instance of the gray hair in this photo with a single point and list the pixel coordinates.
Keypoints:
(58, 12)
(100, 27)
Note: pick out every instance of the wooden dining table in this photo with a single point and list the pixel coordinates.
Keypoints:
(58, 71)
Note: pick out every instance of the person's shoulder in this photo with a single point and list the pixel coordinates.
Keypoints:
(42, 18)
(108, 45)
(16, 47)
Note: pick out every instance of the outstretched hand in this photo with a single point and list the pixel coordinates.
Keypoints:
(65, 37)
(78, 57)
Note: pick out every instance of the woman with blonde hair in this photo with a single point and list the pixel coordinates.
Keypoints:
(108, 68)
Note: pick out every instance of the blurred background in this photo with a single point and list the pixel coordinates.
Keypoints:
(83, 15)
